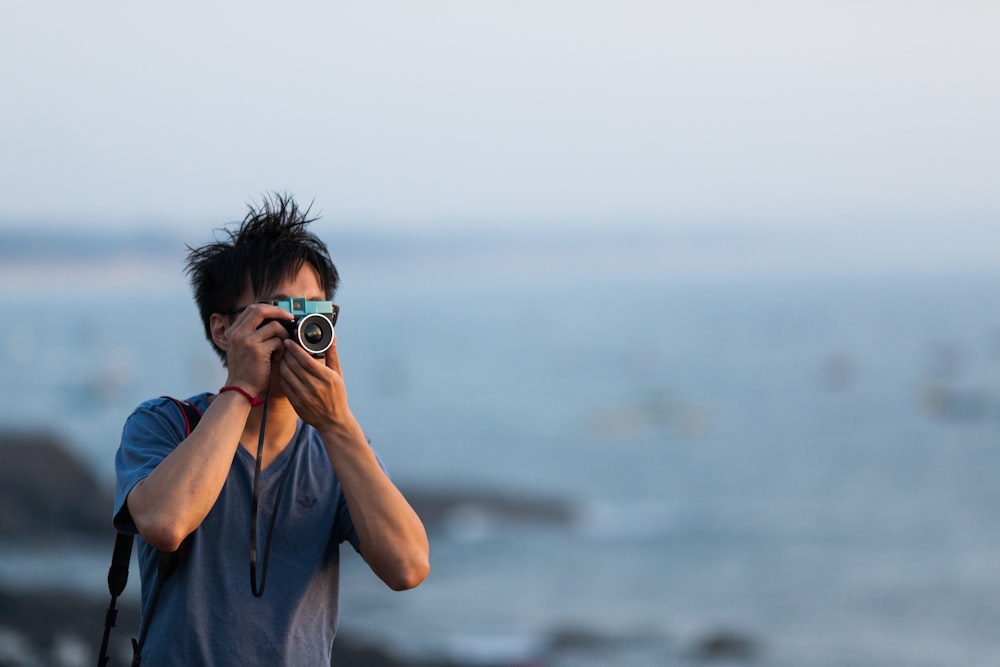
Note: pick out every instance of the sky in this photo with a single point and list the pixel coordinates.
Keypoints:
(516, 115)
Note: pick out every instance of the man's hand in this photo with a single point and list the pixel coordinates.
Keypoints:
(315, 390)
(251, 346)
(392, 539)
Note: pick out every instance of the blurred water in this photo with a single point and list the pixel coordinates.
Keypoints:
(807, 464)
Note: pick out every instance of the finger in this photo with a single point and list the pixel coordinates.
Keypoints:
(299, 374)
(332, 358)
(299, 362)
(259, 343)
(291, 382)
(272, 330)
(257, 313)
(273, 345)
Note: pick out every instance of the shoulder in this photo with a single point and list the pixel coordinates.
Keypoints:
(162, 414)
(164, 404)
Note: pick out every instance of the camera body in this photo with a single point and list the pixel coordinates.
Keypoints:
(312, 327)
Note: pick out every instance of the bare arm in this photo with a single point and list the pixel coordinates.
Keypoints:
(393, 540)
(175, 498)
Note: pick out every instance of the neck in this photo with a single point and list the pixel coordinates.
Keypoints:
(279, 428)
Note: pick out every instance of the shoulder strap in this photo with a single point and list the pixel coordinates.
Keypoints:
(122, 554)
(190, 413)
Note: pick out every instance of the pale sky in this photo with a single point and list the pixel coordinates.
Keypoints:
(513, 114)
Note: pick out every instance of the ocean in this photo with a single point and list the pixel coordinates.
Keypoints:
(788, 470)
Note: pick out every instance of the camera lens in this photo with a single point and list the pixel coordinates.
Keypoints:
(315, 333)
(312, 333)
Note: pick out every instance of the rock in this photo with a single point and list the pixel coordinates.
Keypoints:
(52, 629)
(436, 507)
(62, 629)
(725, 645)
(47, 494)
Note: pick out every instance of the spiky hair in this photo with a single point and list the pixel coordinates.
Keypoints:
(271, 244)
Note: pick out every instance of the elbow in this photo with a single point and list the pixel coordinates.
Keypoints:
(409, 577)
(403, 572)
(400, 565)
(160, 529)
(167, 543)
(164, 535)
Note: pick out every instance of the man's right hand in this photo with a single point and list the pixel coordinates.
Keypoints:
(251, 345)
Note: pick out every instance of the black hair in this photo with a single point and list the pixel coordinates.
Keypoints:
(270, 244)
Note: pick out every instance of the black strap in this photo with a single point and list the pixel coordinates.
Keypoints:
(122, 555)
(255, 502)
(192, 415)
(117, 578)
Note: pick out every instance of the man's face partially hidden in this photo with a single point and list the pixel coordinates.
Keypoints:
(304, 283)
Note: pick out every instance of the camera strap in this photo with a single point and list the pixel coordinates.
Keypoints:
(121, 557)
(255, 502)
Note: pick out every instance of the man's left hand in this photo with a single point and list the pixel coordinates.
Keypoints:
(315, 390)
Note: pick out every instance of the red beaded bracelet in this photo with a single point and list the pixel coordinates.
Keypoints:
(254, 400)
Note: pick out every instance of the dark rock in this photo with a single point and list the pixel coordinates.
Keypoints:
(609, 645)
(50, 626)
(56, 628)
(46, 493)
(564, 639)
(349, 652)
(726, 645)
(435, 507)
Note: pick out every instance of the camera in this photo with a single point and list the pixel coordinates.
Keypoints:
(312, 327)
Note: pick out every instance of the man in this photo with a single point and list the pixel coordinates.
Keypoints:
(232, 523)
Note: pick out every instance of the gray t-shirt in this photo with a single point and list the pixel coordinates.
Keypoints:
(206, 614)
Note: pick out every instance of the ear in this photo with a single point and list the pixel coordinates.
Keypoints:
(219, 325)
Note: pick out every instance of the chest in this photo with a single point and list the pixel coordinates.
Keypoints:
(298, 494)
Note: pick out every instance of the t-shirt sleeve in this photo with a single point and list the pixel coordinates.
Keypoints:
(149, 435)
